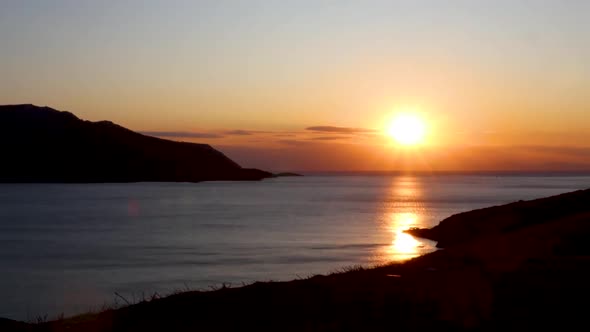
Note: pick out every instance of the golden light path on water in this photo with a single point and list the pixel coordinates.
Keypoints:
(403, 246)
(404, 243)
(402, 210)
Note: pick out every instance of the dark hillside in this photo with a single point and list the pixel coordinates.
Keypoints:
(40, 144)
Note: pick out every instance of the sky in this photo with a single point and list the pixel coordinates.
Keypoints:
(312, 85)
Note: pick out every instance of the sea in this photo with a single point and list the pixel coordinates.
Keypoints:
(68, 249)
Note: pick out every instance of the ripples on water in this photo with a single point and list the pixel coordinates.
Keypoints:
(69, 248)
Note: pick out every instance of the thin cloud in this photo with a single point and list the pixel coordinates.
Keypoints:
(339, 130)
(180, 134)
(240, 132)
(330, 138)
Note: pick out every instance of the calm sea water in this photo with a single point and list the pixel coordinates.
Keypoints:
(69, 248)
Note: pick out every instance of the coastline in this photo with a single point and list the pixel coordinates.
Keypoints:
(523, 265)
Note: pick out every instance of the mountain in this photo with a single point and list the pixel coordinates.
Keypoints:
(41, 144)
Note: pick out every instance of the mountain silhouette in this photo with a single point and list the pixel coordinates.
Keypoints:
(41, 144)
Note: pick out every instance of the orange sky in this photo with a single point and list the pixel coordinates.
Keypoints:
(500, 84)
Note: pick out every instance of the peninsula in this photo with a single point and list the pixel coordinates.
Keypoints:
(41, 144)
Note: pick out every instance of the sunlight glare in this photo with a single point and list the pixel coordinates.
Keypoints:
(404, 243)
(403, 246)
(407, 129)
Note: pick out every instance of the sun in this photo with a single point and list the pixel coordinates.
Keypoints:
(407, 129)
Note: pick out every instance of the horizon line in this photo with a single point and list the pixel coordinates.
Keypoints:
(441, 172)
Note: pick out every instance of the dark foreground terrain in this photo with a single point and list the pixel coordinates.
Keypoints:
(40, 144)
(522, 266)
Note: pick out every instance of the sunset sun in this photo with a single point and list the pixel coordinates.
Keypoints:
(407, 129)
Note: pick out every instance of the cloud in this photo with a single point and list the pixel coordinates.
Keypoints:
(240, 132)
(330, 138)
(340, 130)
(179, 134)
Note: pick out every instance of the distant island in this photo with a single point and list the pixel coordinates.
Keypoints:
(287, 174)
(41, 144)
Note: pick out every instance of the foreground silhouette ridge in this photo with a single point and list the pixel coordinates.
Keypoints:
(40, 144)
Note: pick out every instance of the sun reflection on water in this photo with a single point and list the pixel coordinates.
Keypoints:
(403, 246)
(403, 212)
